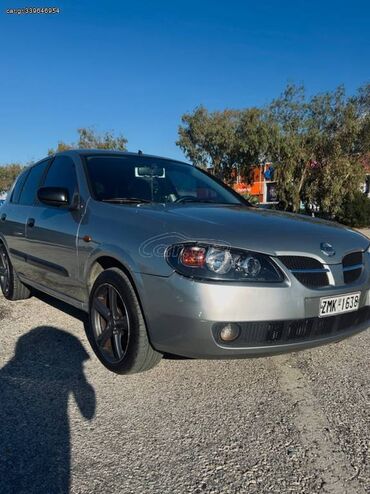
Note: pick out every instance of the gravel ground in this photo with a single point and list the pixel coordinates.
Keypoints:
(294, 423)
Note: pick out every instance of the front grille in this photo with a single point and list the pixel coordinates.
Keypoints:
(300, 262)
(352, 259)
(351, 276)
(352, 266)
(312, 273)
(309, 271)
(260, 333)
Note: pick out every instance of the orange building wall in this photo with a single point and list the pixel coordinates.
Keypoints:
(256, 187)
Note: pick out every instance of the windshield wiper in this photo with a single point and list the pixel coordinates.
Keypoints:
(126, 200)
(207, 201)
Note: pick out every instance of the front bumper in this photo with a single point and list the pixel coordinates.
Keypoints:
(184, 316)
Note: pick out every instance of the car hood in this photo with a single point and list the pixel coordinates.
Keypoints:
(270, 232)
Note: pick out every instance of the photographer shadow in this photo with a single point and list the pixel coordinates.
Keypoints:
(35, 386)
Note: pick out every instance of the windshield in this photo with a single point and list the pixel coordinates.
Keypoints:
(124, 179)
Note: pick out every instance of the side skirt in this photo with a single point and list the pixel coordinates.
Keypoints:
(55, 294)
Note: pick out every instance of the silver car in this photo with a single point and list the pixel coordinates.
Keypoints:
(164, 259)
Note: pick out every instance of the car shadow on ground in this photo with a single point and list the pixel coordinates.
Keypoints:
(35, 386)
(83, 316)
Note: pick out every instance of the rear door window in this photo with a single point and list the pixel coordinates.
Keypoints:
(28, 194)
(18, 187)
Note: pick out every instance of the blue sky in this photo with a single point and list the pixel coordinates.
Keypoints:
(136, 66)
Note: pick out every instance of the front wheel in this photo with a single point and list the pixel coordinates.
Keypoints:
(116, 328)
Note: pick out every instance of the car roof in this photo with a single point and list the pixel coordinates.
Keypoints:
(102, 152)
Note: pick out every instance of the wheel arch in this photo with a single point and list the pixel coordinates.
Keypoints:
(106, 261)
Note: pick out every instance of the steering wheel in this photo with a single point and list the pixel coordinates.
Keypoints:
(186, 198)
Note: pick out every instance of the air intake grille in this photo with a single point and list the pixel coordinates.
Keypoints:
(309, 271)
(300, 262)
(352, 266)
(261, 333)
(313, 280)
(352, 259)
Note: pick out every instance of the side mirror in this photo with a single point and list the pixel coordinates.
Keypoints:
(53, 196)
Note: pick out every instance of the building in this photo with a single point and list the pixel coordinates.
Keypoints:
(261, 184)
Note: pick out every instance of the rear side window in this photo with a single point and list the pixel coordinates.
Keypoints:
(62, 173)
(28, 194)
(18, 187)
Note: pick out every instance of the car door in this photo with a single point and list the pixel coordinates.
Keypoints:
(51, 233)
(14, 215)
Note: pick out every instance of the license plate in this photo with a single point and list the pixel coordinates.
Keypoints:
(330, 306)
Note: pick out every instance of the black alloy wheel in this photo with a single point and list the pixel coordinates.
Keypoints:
(110, 323)
(116, 327)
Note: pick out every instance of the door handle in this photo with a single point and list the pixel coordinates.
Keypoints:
(3, 217)
(31, 222)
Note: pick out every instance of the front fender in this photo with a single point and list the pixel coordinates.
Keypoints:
(122, 258)
(113, 251)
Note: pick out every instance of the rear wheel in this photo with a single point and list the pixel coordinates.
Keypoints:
(11, 285)
(116, 328)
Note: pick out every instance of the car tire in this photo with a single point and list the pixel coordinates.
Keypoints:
(11, 285)
(116, 327)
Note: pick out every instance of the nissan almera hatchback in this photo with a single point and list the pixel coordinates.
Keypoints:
(165, 259)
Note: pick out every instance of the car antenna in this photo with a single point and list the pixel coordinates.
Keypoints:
(140, 152)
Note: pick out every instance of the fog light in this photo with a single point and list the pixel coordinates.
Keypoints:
(230, 332)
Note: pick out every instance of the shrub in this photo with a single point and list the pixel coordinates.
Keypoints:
(355, 212)
(252, 199)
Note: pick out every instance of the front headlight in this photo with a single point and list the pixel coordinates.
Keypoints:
(222, 263)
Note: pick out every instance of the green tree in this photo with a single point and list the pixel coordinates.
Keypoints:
(335, 125)
(228, 142)
(209, 139)
(362, 104)
(89, 139)
(289, 150)
(256, 134)
(319, 147)
(317, 144)
(8, 173)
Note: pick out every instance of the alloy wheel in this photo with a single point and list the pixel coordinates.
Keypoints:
(110, 323)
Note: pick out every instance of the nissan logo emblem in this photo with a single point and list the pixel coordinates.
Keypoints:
(327, 249)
